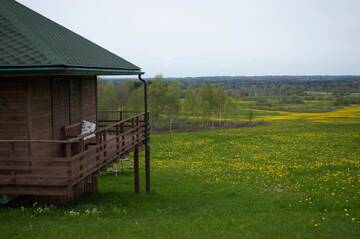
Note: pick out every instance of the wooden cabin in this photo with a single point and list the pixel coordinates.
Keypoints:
(48, 87)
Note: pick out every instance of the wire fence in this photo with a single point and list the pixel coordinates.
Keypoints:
(184, 121)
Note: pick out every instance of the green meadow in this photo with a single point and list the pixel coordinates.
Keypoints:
(295, 176)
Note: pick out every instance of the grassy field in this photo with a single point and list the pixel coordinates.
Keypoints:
(238, 110)
(298, 176)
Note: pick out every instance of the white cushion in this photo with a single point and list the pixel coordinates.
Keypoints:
(88, 127)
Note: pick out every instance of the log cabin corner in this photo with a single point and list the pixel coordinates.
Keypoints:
(48, 88)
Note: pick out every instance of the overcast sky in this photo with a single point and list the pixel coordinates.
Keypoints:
(219, 37)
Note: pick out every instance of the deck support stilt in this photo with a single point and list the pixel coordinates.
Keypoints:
(136, 169)
(147, 167)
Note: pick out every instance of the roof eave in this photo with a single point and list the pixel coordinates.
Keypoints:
(67, 70)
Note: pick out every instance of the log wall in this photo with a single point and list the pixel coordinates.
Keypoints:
(39, 107)
(13, 113)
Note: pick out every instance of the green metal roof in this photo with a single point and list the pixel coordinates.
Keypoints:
(31, 43)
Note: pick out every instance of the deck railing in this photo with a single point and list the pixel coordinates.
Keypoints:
(26, 166)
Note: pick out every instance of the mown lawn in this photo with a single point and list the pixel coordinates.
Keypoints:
(284, 179)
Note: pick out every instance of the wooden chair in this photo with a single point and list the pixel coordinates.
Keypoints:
(71, 131)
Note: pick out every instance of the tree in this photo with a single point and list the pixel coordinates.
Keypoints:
(219, 101)
(124, 90)
(190, 102)
(107, 96)
(206, 101)
(135, 101)
(172, 103)
(157, 96)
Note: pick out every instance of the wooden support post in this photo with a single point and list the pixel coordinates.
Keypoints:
(136, 169)
(147, 167)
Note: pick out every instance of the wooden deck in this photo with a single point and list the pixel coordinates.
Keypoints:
(23, 172)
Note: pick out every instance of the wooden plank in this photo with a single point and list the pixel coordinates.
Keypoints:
(33, 190)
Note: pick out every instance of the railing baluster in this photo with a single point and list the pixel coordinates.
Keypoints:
(81, 159)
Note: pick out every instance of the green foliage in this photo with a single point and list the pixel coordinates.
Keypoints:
(136, 100)
(344, 100)
(107, 98)
(111, 96)
(210, 105)
(291, 99)
(263, 102)
(190, 101)
(164, 97)
(157, 96)
(206, 100)
(172, 103)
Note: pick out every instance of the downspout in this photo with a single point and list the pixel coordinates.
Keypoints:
(147, 135)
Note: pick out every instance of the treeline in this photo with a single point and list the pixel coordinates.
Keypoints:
(279, 85)
(167, 99)
(217, 103)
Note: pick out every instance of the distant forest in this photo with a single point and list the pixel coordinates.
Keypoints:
(207, 98)
(278, 85)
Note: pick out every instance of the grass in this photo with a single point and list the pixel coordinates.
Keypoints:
(238, 110)
(275, 104)
(292, 178)
(350, 114)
